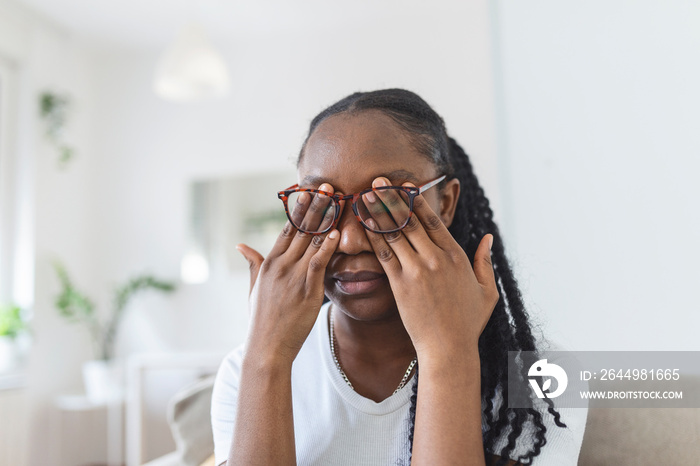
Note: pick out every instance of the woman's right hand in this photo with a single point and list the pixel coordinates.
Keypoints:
(287, 289)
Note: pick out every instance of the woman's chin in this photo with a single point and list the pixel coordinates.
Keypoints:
(377, 305)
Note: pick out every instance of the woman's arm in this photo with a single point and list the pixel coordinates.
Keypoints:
(264, 431)
(448, 411)
(444, 304)
(285, 298)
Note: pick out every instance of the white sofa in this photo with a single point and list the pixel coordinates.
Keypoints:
(614, 436)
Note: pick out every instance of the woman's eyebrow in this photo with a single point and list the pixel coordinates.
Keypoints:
(402, 175)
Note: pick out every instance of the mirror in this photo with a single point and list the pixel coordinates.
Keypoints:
(227, 211)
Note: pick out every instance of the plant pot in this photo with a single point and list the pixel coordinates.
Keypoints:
(9, 354)
(103, 381)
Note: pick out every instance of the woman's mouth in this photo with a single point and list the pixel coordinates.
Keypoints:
(358, 283)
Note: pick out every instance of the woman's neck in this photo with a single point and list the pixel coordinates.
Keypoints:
(373, 354)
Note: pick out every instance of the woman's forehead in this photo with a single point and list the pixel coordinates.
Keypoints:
(351, 150)
(396, 177)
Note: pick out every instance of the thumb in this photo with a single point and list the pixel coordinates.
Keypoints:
(255, 260)
(483, 267)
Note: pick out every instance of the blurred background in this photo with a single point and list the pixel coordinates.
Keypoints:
(137, 140)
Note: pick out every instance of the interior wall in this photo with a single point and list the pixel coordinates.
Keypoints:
(598, 129)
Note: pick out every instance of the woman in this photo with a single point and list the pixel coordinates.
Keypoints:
(417, 281)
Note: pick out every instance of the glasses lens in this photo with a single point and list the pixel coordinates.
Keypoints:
(387, 208)
(311, 212)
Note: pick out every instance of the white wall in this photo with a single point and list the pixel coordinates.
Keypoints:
(599, 141)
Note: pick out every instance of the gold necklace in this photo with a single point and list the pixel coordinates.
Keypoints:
(342, 372)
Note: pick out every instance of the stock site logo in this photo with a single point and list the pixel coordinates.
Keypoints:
(544, 369)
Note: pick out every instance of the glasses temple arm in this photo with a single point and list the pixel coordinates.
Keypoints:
(430, 184)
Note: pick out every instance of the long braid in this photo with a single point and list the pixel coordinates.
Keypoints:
(412, 410)
(508, 329)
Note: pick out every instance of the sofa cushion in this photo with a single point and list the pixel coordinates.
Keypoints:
(190, 422)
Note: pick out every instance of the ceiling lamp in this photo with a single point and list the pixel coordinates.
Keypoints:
(190, 69)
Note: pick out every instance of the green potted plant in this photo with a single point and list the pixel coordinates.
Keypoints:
(12, 325)
(77, 307)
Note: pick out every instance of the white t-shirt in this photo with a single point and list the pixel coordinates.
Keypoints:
(334, 425)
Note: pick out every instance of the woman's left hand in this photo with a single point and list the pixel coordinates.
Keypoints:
(444, 303)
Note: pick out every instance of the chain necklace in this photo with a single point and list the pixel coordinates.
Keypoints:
(345, 377)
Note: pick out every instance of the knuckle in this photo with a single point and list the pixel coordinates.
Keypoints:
(385, 254)
(412, 224)
(301, 234)
(392, 237)
(433, 222)
(316, 264)
(317, 241)
(266, 265)
(288, 229)
(458, 256)
(433, 264)
(415, 273)
(496, 297)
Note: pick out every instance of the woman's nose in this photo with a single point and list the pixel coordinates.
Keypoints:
(353, 239)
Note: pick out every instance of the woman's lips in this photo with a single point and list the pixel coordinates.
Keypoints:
(356, 283)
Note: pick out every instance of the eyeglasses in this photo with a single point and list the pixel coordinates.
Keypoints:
(384, 209)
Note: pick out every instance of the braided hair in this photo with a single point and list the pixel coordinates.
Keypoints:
(508, 328)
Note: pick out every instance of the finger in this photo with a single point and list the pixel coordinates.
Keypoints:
(369, 206)
(255, 260)
(385, 253)
(432, 223)
(317, 241)
(483, 267)
(387, 206)
(283, 240)
(300, 204)
(319, 261)
(415, 233)
(319, 211)
(315, 244)
(301, 240)
(388, 210)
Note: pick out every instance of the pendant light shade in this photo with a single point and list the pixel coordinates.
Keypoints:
(190, 69)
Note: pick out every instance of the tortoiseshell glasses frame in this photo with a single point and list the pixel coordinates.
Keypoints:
(410, 192)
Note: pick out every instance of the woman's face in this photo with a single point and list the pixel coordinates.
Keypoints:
(349, 152)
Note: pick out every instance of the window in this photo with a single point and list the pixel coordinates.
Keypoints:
(15, 244)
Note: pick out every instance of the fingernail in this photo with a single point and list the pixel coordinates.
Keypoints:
(380, 182)
(333, 234)
(490, 241)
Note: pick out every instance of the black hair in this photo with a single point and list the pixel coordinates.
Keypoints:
(509, 328)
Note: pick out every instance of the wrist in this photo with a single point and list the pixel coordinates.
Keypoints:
(446, 360)
(266, 362)
(443, 351)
